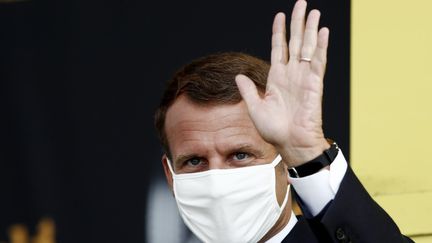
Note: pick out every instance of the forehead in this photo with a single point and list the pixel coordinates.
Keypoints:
(191, 127)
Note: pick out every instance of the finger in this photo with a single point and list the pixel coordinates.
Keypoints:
(248, 91)
(297, 28)
(279, 44)
(319, 59)
(310, 35)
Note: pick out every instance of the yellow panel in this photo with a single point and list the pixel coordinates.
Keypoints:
(391, 107)
(402, 207)
(425, 239)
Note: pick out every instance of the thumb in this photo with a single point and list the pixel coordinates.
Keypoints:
(248, 91)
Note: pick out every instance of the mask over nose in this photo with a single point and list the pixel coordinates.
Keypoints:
(229, 205)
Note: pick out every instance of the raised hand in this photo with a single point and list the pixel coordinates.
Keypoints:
(288, 115)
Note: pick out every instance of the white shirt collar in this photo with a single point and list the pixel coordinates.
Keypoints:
(285, 231)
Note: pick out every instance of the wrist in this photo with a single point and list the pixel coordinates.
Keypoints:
(323, 161)
(296, 156)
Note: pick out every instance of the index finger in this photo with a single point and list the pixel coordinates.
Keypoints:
(279, 44)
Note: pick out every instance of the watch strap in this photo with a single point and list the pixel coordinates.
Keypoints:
(315, 165)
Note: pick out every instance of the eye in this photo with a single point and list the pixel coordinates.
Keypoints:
(241, 156)
(193, 162)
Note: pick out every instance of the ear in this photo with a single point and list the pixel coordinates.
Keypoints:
(167, 171)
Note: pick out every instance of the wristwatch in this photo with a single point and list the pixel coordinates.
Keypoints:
(315, 165)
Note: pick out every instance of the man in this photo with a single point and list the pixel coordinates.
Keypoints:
(232, 127)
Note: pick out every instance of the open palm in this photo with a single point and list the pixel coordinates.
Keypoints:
(288, 115)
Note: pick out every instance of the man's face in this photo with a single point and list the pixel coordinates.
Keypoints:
(205, 137)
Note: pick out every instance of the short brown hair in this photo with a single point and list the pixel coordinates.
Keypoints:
(210, 80)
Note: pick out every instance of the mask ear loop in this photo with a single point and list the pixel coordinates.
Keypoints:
(275, 162)
(286, 197)
(170, 167)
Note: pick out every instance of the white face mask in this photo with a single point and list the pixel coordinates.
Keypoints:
(229, 205)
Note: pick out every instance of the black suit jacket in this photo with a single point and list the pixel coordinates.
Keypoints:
(353, 216)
